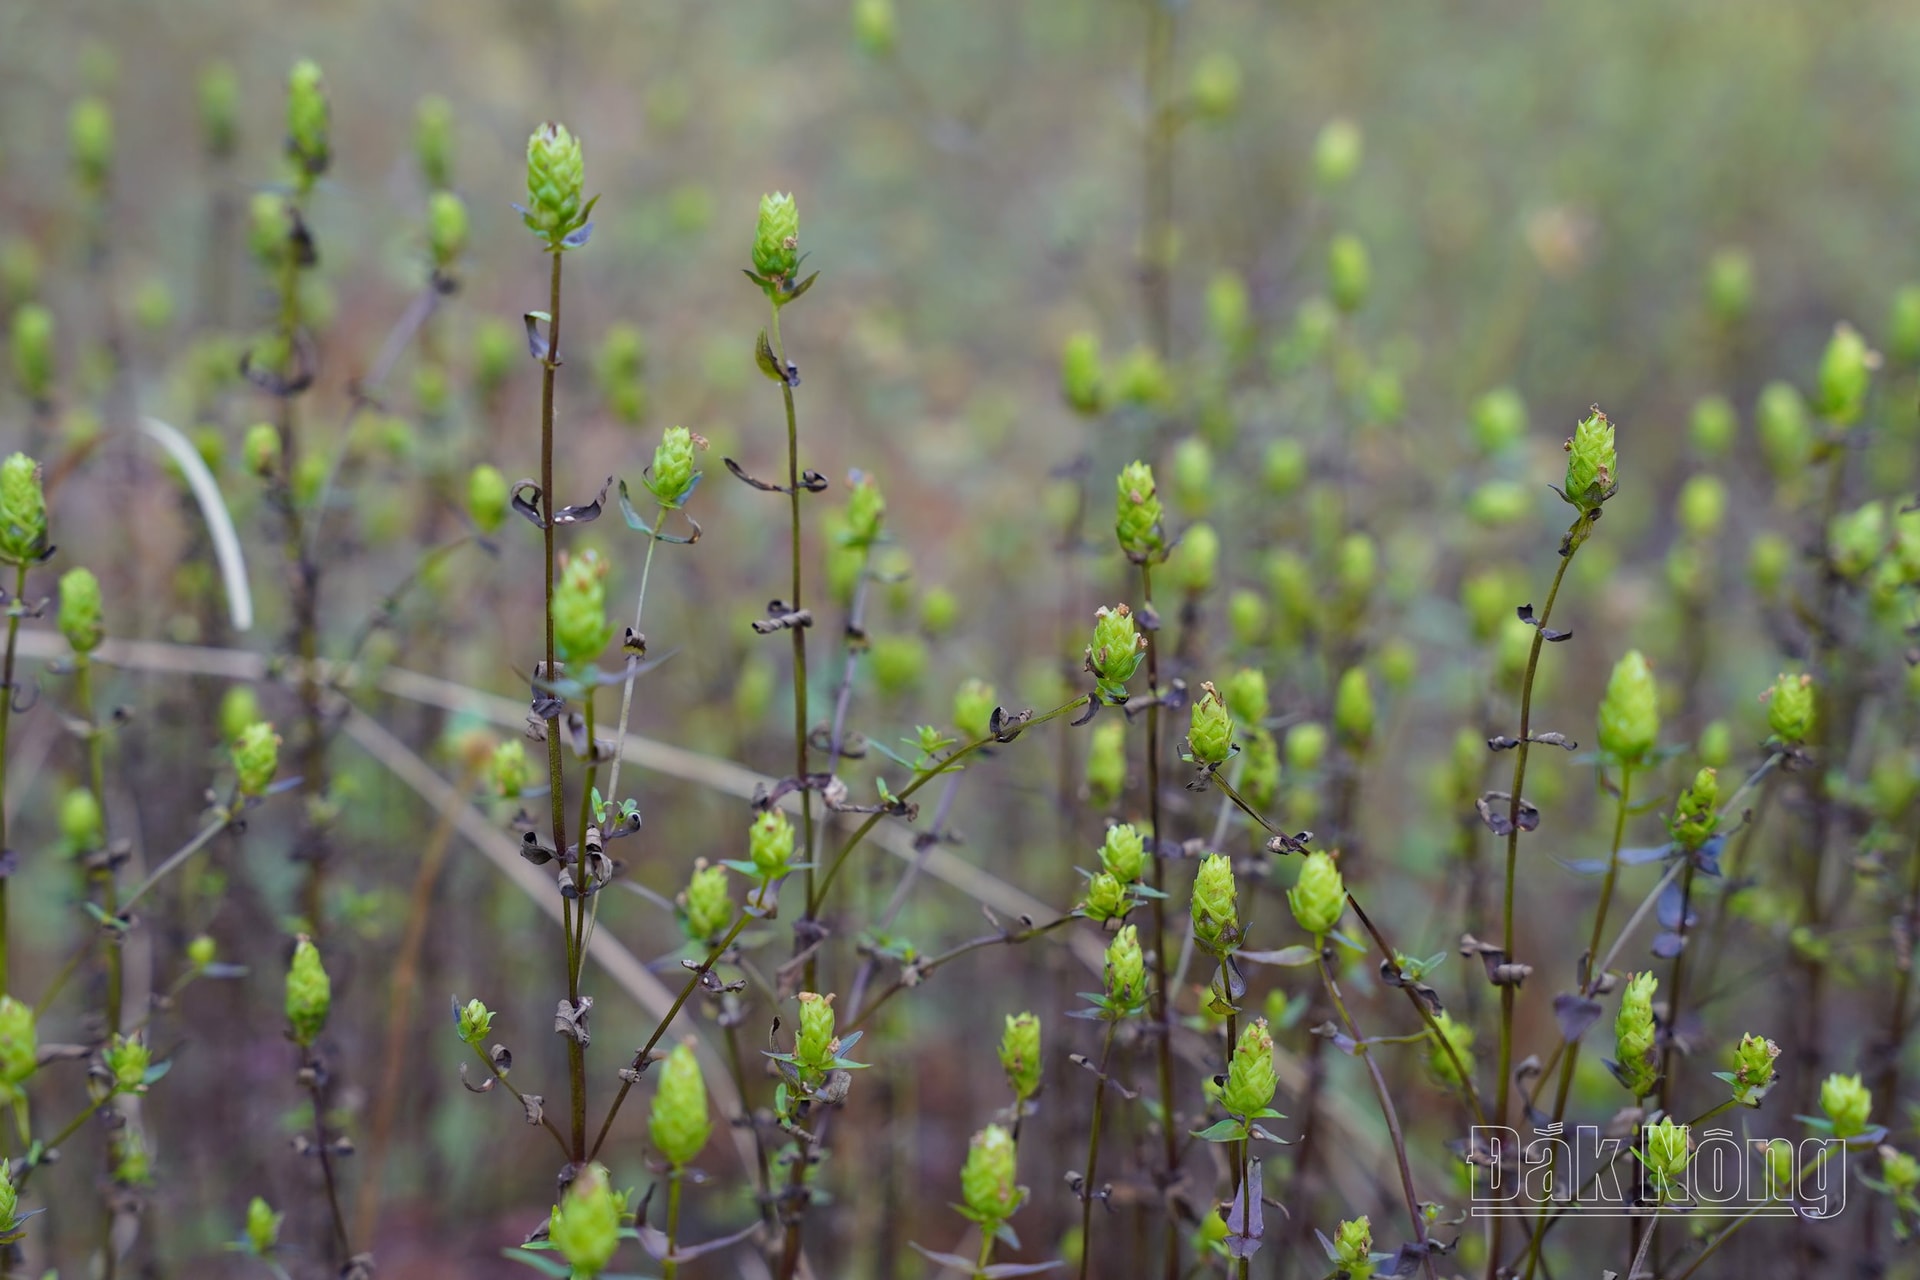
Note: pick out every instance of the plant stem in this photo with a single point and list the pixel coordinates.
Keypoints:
(1093, 1150)
(1161, 1006)
(14, 607)
(669, 1268)
(96, 783)
(1713, 1246)
(633, 660)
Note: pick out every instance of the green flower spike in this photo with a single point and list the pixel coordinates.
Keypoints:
(989, 1179)
(557, 208)
(1020, 1055)
(508, 769)
(1694, 816)
(1753, 1069)
(1260, 768)
(308, 144)
(1319, 895)
(256, 758)
(866, 510)
(90, 144)
(1107, 898)
(1081, 378)
(1116, 651)
(433, 141)
(1138, 513)
(1633, 1036)
(1210, 728)
(1353, 1249)
(673, 475)
(1499, 420)
(80, 610)
(1251, 1079)
(585, 1225)
(1847, 1103)
(1107, 762)
(816, 1046)
(23, 512)
(1349, 272)
(581, 630)
(776, 239)
(127, 1060)
(1126, 968)
(263, 1228)
(1353, 710)
(219, 108)
(19, 1044)
(487, 498)
(1124, 853)
(475, 1021)
(1216, 911)
(1592, 463)
(973, 704)
(446, 228)
(770, 844)
(1630, 711)
(1306, 746)
(680, 1123)
(1790, 704)
(1845, 371)
(1336, 152)
(309, 993)
(705, 906)
(1665, 1149)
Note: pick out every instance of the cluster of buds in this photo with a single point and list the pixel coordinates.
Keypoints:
(776, 249)
(584, 1227)
(581, 630)
(309, 993)
(256, 758)
(475, 1023)
(672, 477)
(1847, 1103)
(1116, 651)
(1790, 708)
(1630, 711)
(1753, 1069)
(1695, 817)
(1592, 464)
(1209, 729)
(1665, 1149)
(1251, 1078)
(23, 512)
(816, 1049)
(679, 1123)
(128, 1062)
(1319, 895)
(1352, 1250)
(1138, 514)
(989, 1181)
(1215, 909)
(79, 615)
(1126, 972)
(1020, 1055)
(308, 142)
(705, 907)
(557, 208)
(1633, 1037)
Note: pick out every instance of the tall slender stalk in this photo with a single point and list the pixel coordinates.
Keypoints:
(1093, 1149)
(15, 606)
(1161, 1007)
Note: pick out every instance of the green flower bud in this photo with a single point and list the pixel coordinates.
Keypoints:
(1694, 816)
(1665, 1148)
(1845, 370)
(1399, 663)
(1592, 473)
(23, 511)
(1107, 762)
(1246, 695)
(899, 663)
(1892, 783)
(33, 352)
(80, 610)
(433, 141)
(1216, 86)
(1216, 909)
(939, 611)
(1499, 420)
(1259, 768)
(1247, 618)
(1790, 708)
(866, 509)
(1753, 1069)
(1702, 505)
(202, 952)
(580, 626)
(446, 228)
(1715, 747)
(261, 449)
(1349, 272)
(1141, 379)
(874, 26)
(1210, 1237)
(1116, 650)
(90, 144)
(1729, 286)
(680, 1123)
(1460, 1036)
(1633, 1036)
(672, 476)
(19, 1042)
(1713, 426)
(487, 498)
(1356, 567)
(1080, 373)
(309, 993)
(133, 1162)
(1229, 311)
(1500, 503)
(1768, 562)
(1856, 539)
(1386, 398)
(1251, 1079)
(127, 1060)
(219, 108)
(476, 1024)
(1484, 597)
(1107, 898)
(256, 758)
(1336, 152)
(1124, 853)
(1306, 746)
(1195, 559)
(816, 1046)
(1903, 325)
(1020, 1055)
(1847, 1103)
(81, 822)
(705, 906)
(270, 223)
(973, 705)
(585, 1225)
(989, 1179)
(776, 238)
(1779, 1155)
(1319, 895)
(1786, 437)
(556, 184)
(1193, 475)
(1284, 466)
(1353, 711)
(770, 843)
(509, 770)
(1630, 711)
(1126, 967)
(494, 352)
(263, 1228)
(1209, 728)
(308, 144)
(1137, 513)
(1900, 1171)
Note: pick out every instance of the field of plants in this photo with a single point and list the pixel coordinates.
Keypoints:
(850, 640)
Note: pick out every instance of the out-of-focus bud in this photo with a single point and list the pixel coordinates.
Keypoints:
(874, 27)
(585, 1226)
(1353, 710)
(1497, 504)
(1020, 1055)
(1903, 325)
(1116, 650)
(270, 224)
(1846, 369)
(508, 769)
(446, 228)
(80, 819)
(127, 1059)
(899, 663)
(1107, 762)
(1251, 1077)
(1630, 711)
(1349, 271)
(1319, 895)
(1847, 1103)
(1399, 663)
(866, 509)
(1229, 311)
(80, 610)
(1284, 466)
(202, 952)
(1633, 1036)
(308, 142)
(493, 354)
(1715, 747)
(1246, 697)
(239, 707)
(1786, 436)
(219, 108)
(705, 906)
(1729, 286)
(1193, 475)
(581, 630)
(1336, 152)
(1459, 1036)
(680, 1123)
(1306, 746)
(1713, 426)
(1259, 768)
(1216, 86)
(309, 993)
(1856, 539)
(90, 145)
(1216, 910)
(1702, 505)
(1356, 567)
(939, 611)
(487, 498)
(32, 342)
(433, 141)
(618, 366)
(989, 1181)
(1499, 420)
(261, 450)
(1790, 703)
(263, 1228)
(973, 705)
(1892, 783)
(1386, 397)
(1138, 513)
(1081, 378)
(1592, 463)
(556, 185)
(1768, 561)
(1195, 559)
(1247, 618)
(256, 758)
